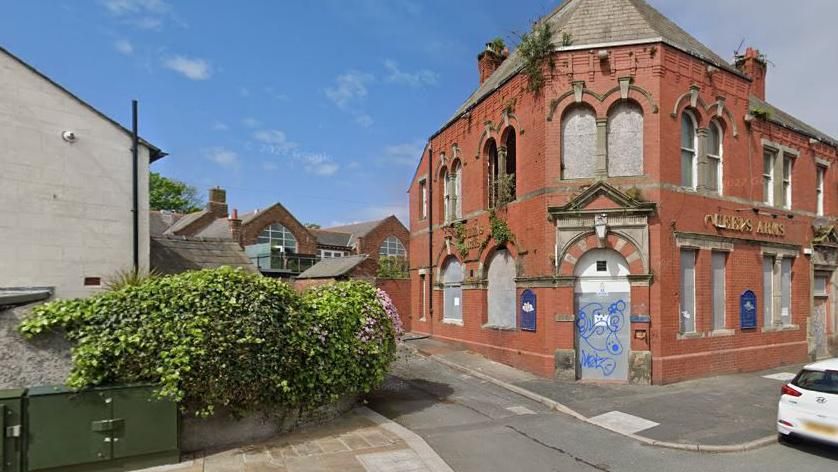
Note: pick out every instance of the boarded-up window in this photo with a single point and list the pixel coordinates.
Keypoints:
(452, 293)
(578, 143)
(785, 292)
(687, 324)
(719, 260)
(768, 289)
(625, 140)
(501, 290)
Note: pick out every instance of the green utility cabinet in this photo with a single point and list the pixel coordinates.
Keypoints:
(11, 420)
(118, 428)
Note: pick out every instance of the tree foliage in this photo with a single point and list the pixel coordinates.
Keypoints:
(225, 337)
(536, 50)
(170, 194)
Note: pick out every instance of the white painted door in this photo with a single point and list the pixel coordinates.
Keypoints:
(602, 316)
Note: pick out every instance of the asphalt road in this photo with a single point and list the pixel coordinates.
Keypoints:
(476, 426)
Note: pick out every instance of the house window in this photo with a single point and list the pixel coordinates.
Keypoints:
(821, 172)
(456, 205)
(501, 290)
(689, 145)
(502, 163)
(279, 237)
(787, 166)
(492, 163)
(718, 280)
(687, 305)
(768, 158)
(715, 138)
(423, 309)
(821, 284)
(579, 140)
(625, 140)
(446, 196)
(423, 186)
(785, 291)
(326, 254)
(768, 289)
(509, 186)
(452, 294)
(392, 247)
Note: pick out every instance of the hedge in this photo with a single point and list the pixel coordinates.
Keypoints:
(224, 337)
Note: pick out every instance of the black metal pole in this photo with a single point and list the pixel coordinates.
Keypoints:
(135, 144)
(431, 237)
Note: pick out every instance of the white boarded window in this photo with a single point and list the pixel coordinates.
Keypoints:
(578, 143)
(787, 166)
(424, 190)
(785, 291)
(768, 176)
(446, 196)
(819, 188)
(715, 138)
(689, 146)
(718, 275)
(768, 289)
(687, 305)
(452, 293)
(457, 191)
(625, 140)
(501, 290)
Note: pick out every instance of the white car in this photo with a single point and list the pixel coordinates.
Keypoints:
(809, 404)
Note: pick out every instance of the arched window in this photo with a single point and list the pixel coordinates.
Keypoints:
(446, 196)
(278, 236)
(455, 191)
(492, 162)
(625, 140)
(511, 178)
(578, 143)
(689, 145)
(392, 247)
(501, 290)
(452, 294)
(715, 140)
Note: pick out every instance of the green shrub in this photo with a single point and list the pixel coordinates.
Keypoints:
(224, 337)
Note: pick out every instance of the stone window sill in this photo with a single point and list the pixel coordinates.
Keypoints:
(498, 328)
(452, 322)
(775, 329)
(718, 333)
(693, 335)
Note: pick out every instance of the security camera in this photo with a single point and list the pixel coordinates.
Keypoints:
(69, 136)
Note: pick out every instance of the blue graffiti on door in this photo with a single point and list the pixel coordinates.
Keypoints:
(599, 331)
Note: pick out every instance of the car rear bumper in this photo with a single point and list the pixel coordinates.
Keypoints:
(791, 422)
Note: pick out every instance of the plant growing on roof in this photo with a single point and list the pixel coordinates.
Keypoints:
(761, 112)
(496, 45)
(536, 51)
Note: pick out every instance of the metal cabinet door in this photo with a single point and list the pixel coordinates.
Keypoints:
(67, 428)
(145, 425)
(11, 414)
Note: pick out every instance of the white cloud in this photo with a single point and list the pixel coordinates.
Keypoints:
(349, 88)
(143, 14)
(363, 119)
(191, 68)
(405, 153)
(219, 126)
(251, 122)
(123, 46)
(319, 164)
(419, 78)
(223, 157)
(275, 141)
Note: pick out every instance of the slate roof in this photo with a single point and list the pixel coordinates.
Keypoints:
(355, 230)
(185, 221)
(331, 238)
(160, 221)
(785, 120)
(334, 267)
(595, 22)
(175, 254)
(218, 229)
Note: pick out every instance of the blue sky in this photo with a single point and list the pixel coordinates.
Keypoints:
(325, 105)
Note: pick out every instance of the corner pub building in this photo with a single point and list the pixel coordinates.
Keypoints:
(644, 217)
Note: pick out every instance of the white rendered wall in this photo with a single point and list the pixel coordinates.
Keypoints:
(65, 209)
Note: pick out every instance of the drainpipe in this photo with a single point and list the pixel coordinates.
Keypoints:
(431, 237)
(136, 184)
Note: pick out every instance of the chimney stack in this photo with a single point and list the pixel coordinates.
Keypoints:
(489, 60)
(217, 202)
(754, 65)
(235, 226)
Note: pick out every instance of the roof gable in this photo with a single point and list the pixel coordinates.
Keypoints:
(602, 197)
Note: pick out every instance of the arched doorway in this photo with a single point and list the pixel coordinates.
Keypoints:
(501, 290)
(602, 296)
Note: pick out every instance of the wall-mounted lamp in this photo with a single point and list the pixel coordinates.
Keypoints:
(601, 227)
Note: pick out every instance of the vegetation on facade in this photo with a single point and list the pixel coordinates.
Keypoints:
(496, 45)
(392, 267)
(173, 195)
(536, 51)
(500, 229)
(761, 112)
(460, 243)
(228, 338)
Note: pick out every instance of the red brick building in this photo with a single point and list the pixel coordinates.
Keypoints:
(644, 216)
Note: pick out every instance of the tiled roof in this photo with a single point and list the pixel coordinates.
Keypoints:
(355, 230)
(160, 221)
(185, 220)
(331, 238)
(218, 229)
(333, 267)
(785, 120)
(593, 22)
(174, 254)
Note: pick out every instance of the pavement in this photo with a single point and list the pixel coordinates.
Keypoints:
(360, 441)
(717, 414)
